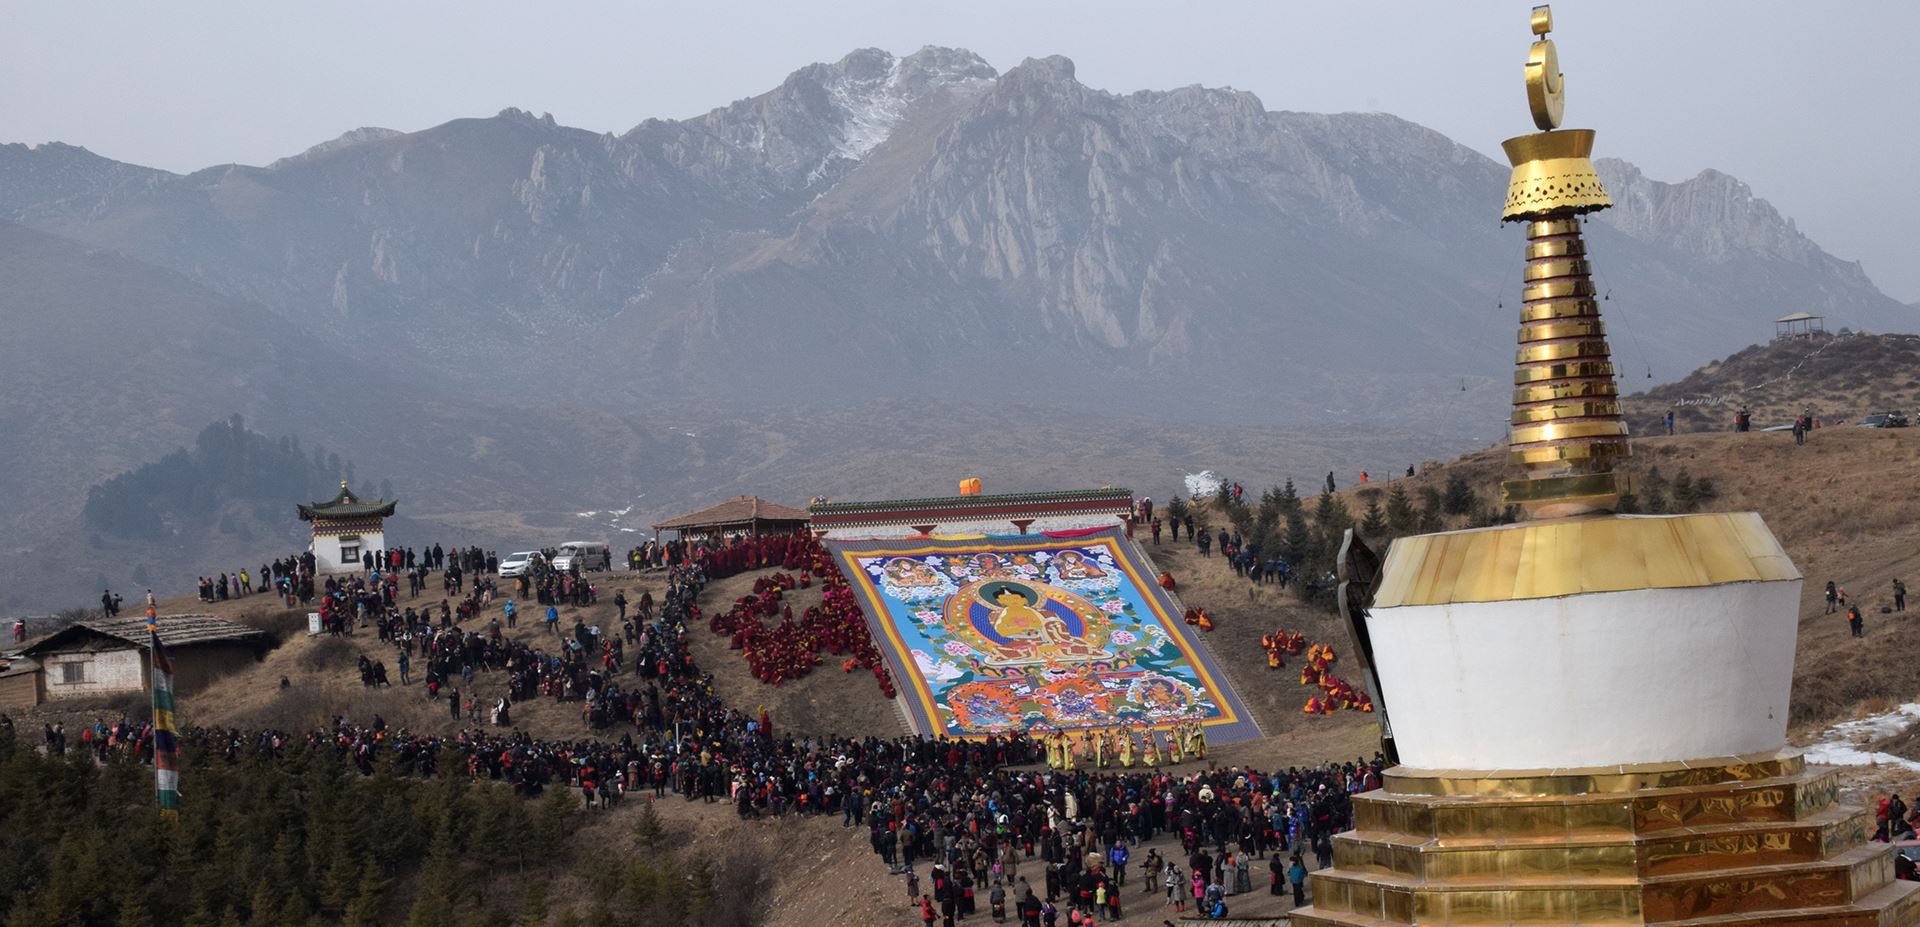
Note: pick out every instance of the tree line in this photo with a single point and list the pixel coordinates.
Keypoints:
(307, 840)
(192, 489)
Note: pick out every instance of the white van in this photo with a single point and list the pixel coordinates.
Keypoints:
(590, 555)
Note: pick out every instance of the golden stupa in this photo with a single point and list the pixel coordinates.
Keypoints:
(1588, 711)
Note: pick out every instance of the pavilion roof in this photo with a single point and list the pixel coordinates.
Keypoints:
(347, 505)
(739, 510)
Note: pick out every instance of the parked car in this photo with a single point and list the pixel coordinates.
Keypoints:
(519, 562)
(589, 555)
(1884, 420)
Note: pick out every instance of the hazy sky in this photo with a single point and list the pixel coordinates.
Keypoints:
(1812, 104)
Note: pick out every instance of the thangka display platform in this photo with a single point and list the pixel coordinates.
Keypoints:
(990, 635)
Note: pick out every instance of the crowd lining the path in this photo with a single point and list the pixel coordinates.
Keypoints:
(991, 818)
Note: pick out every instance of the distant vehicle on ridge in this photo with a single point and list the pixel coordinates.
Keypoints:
(589, 555)
(519, 562)
(1884, 420)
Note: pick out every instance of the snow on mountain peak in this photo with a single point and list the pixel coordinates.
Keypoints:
(872, 90)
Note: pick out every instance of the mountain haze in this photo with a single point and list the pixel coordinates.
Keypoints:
(505, 314)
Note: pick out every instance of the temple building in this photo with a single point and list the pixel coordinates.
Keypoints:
(344, 528)
(1011, 513)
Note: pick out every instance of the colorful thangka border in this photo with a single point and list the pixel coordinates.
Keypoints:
(990, 635)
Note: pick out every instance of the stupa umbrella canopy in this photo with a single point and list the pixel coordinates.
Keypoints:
(738, 515)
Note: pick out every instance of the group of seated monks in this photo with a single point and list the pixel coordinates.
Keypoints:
(1125, 745)
(1280, 644)
(791, 646)
(1335, 693)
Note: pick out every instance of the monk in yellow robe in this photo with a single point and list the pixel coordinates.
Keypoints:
(1173, 744)
(1126, 747)
(1152, 753)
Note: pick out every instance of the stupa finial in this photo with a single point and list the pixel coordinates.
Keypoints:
(1566, 426)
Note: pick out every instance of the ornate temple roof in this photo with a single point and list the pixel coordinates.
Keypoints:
(347, 505)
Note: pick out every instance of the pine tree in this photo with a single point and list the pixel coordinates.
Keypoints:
(533, 903)
(1401, 515)
(1653, 492)
(1289, 498)
(649, 832)
(1373, 523)
(369, 896)
(1459, 498)
(1684, 498)
(1297, 545)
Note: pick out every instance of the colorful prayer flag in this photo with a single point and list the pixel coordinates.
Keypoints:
(166, 741)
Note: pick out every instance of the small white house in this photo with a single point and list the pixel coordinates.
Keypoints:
(109, 656)
(346, 528)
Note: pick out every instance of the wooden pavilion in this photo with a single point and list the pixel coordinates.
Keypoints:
(749, 515)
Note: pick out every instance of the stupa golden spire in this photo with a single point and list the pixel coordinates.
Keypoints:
(1566, 426)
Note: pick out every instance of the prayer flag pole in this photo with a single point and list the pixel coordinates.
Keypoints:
(166, 746)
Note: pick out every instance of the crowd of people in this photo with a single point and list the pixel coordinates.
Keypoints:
(991, 817)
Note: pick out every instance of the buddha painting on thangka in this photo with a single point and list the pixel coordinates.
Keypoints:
(997, 635)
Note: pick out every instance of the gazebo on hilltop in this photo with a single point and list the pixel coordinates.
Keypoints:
(749, 515)
(1799, 325)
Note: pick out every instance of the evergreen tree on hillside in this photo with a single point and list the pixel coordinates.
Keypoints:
(1297, 543)
(1684, 498)
(1432, 516)
(1402, 518)
(1653, 492)
(1459, 498)
(1331, 519)
(1373, 523)
(1289, 498)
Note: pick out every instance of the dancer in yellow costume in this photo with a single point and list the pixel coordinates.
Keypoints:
(1173, 744)
(1152, 752)
(1051, 741)
(1196, 740)
(1126, 747)
(1102, 758)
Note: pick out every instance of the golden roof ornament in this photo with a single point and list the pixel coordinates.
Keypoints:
(1566, 425)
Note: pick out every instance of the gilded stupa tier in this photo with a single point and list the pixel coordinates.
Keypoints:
(1727, 841)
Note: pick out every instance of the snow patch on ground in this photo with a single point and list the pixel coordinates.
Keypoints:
(1202, 484)
(1843, 744)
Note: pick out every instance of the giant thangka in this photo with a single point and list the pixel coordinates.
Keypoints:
(1034, 632)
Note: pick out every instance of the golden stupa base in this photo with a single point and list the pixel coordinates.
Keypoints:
(1721, 841)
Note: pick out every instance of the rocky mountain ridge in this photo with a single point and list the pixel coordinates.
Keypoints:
(937, 218)
(522, 315)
